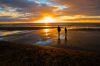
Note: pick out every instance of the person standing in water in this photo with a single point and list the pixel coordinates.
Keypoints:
(59, 30)
(66, 33)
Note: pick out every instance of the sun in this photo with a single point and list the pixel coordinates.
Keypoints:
(47, 20)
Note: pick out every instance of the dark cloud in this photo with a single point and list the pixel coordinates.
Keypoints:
(85, 7)
(27, 8)
(25, 5)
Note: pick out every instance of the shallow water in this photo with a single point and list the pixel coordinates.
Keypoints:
(80, 40)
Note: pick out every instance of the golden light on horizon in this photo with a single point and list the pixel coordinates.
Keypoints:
(47, 20)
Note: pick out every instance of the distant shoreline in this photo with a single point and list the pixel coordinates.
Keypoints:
(25, 28)
(37, 28)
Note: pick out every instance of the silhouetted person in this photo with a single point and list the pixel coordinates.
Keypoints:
(66, 33)
(59, 30)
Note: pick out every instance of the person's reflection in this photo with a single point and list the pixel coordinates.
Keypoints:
(62, 43)
(66, 41)
(59, 42)
(66, 36)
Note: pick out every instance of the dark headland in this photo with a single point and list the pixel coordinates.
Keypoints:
(13, 54)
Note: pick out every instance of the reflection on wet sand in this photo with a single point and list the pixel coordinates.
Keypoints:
(53, 38)
(62, 41)
(58, 42)
(88, 40)
(46, 31)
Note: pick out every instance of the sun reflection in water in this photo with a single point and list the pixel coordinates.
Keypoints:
(46, 31)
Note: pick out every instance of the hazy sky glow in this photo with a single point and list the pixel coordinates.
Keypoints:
(65, 10)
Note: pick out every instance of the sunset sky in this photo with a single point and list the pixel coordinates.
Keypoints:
(56, 10)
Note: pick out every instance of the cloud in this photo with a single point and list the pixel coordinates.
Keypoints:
(85, 7)
(34, 9)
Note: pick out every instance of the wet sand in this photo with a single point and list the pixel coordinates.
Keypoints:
(78, 38)
(14, 54)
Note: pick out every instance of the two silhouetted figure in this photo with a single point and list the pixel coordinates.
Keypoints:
(59, 30)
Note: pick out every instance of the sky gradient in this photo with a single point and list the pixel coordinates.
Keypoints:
(64, 10)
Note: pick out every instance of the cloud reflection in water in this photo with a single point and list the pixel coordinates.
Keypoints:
(44, 42)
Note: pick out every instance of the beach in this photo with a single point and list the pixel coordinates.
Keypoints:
(40, 46)
(49, 32)
(14, 54)
(78, 38)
